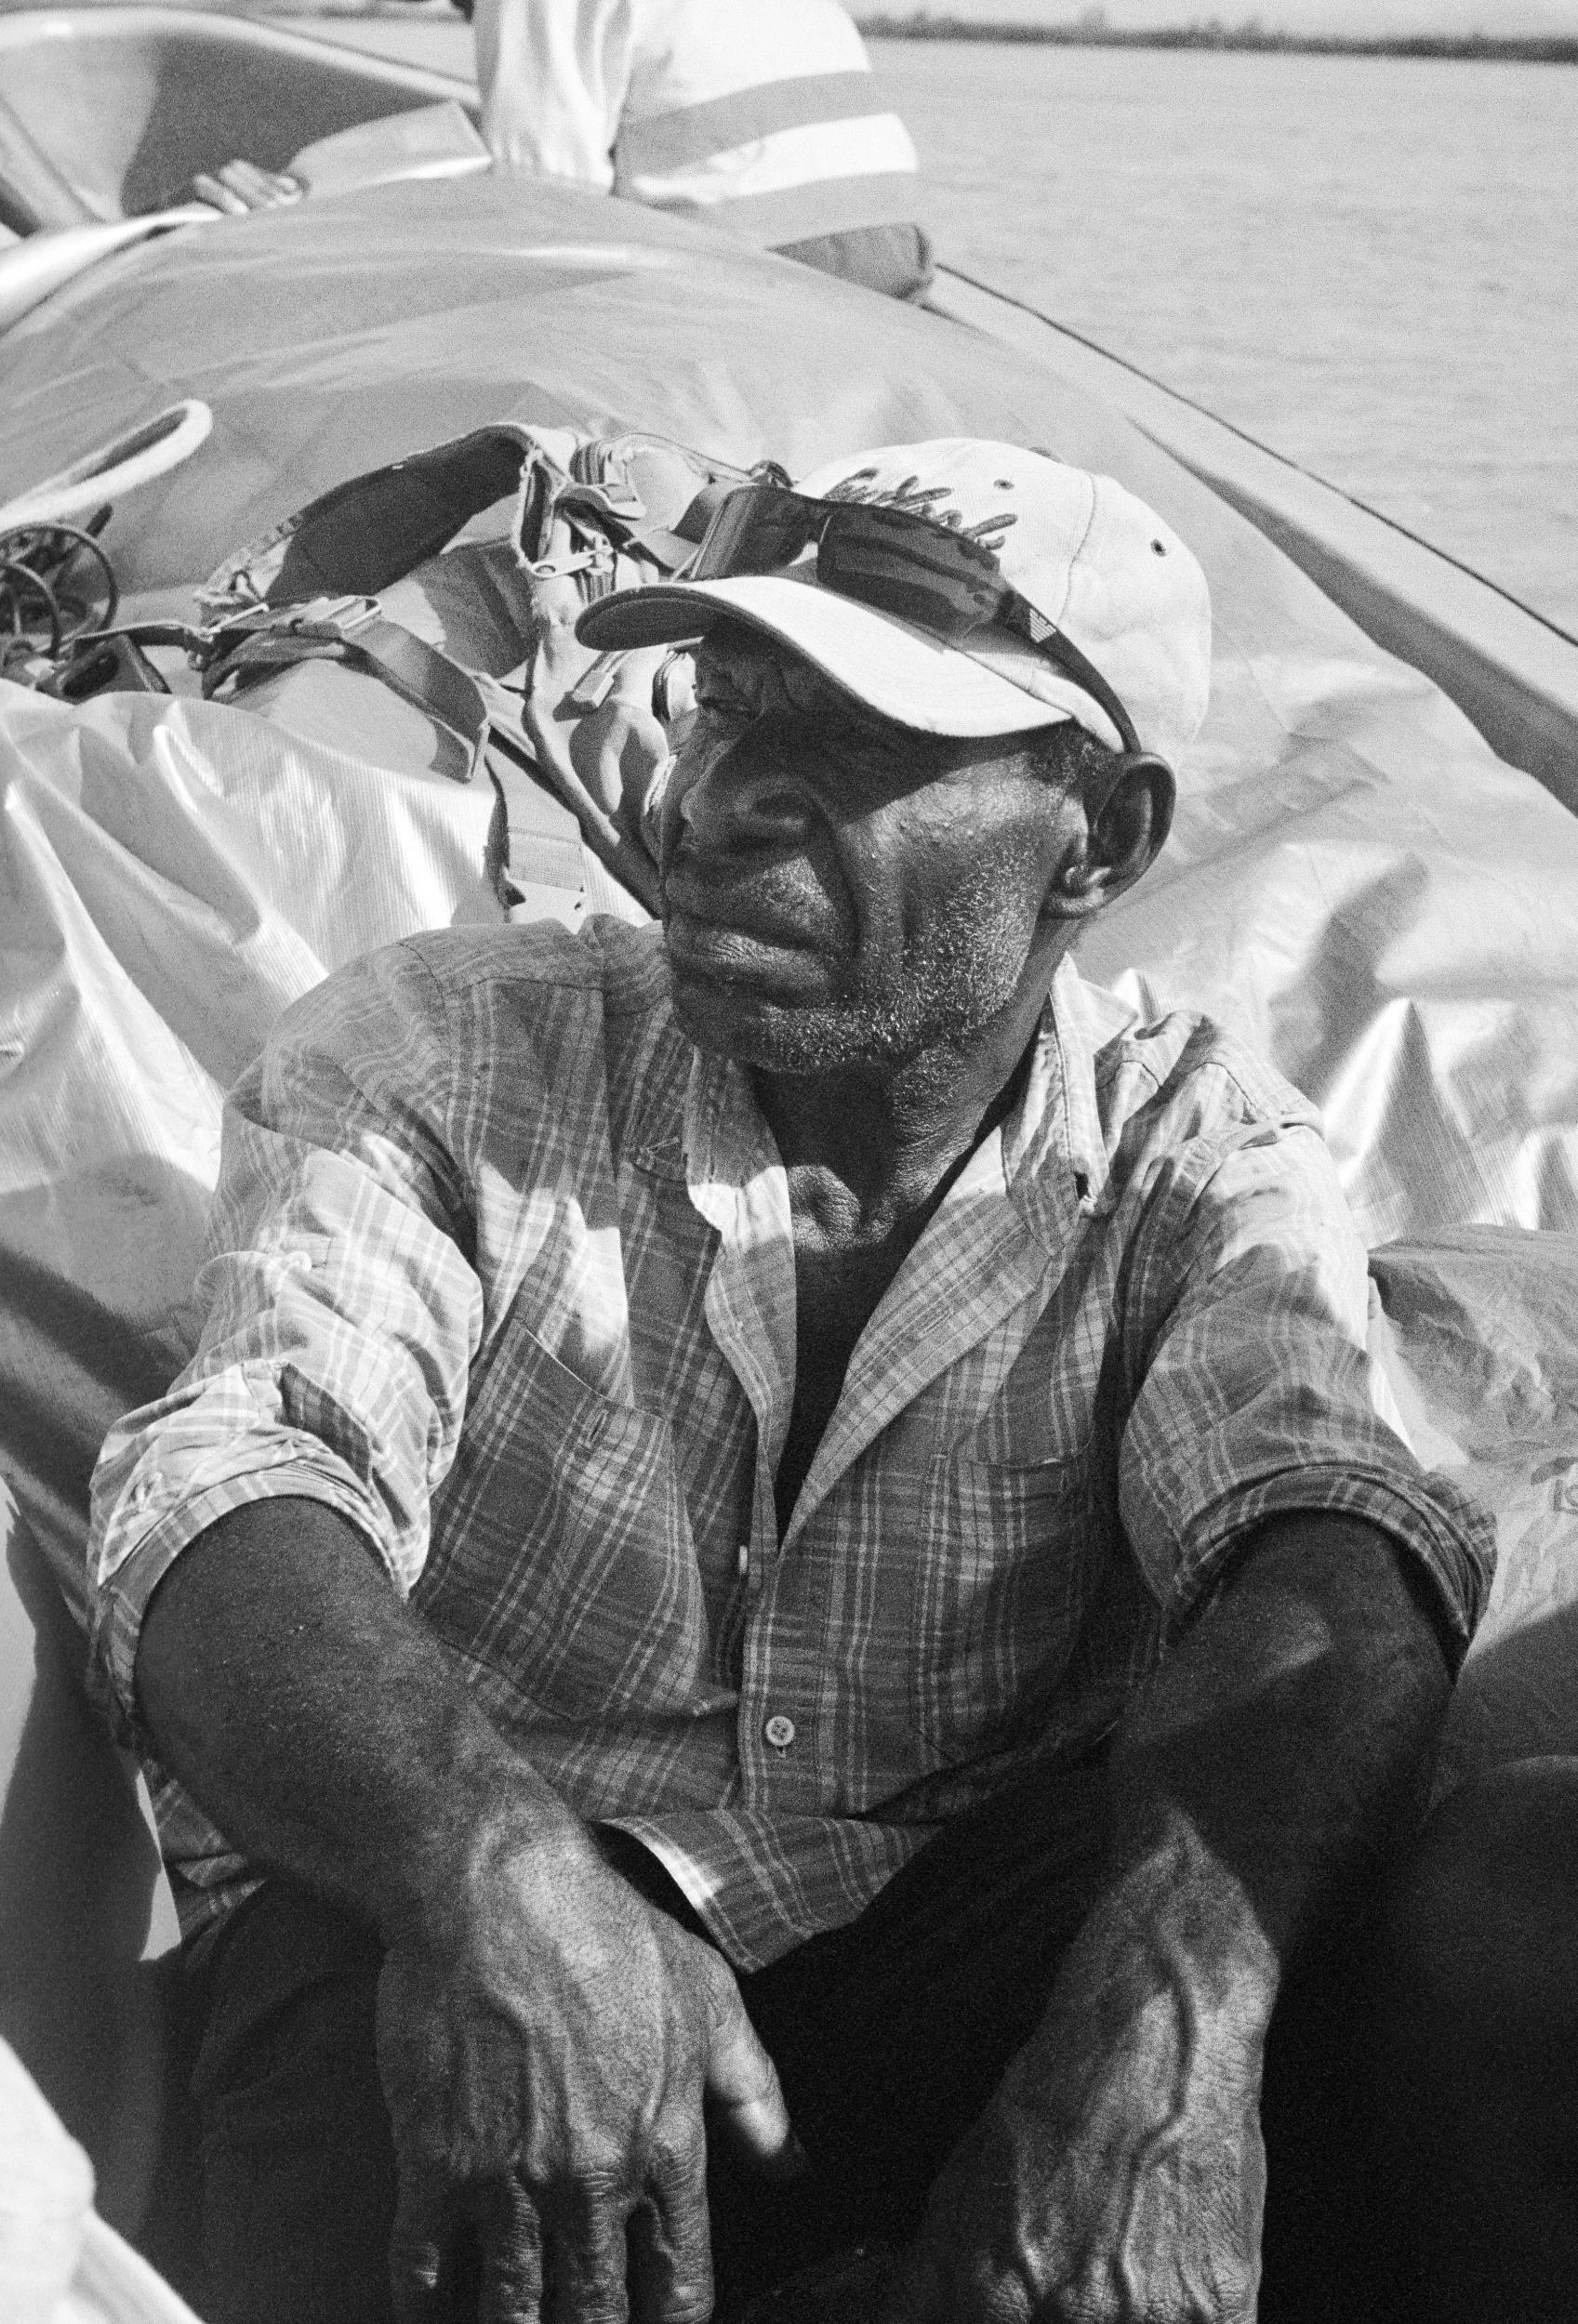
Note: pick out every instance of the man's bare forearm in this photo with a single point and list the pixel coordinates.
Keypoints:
(1119, 2173)
(316, 1720)
(1259, 1773)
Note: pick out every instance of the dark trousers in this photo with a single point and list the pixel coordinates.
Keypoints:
(889, 2036)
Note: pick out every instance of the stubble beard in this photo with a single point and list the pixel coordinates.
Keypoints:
(960, 973)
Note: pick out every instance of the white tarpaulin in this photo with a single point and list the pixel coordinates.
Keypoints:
(172, 873)
(1354, 880)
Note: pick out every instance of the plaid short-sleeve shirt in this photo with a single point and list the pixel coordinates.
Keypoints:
(503, 1268)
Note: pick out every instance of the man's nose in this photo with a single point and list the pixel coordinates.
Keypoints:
(743, 796)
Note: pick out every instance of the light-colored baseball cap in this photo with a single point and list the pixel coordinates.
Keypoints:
(1091, 560)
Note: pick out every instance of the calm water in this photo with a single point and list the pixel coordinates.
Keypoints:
(1370, 264)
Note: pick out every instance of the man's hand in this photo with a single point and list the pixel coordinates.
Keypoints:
(240, 186)
(545, 2040)
(1118, 2175)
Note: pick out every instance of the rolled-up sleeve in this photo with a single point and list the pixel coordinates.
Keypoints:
(342, 1310)
(1252, 1392)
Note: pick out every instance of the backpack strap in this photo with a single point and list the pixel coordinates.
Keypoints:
(540, 864)
(614, 867)
(550, 857)
(353, 631)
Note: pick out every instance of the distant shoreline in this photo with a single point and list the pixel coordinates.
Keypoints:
(1090, 33)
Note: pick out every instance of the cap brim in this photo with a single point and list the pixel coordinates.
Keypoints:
(896, 670)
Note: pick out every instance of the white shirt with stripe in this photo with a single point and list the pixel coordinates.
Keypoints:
(760, 114)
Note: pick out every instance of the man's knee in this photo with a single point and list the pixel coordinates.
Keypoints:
(1476, 2061)
(1480, 1923)
(299, 2182)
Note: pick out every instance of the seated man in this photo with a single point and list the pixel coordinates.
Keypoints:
(782, 1521)
(758, 115)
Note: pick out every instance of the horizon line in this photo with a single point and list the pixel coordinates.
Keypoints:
(1089, 31)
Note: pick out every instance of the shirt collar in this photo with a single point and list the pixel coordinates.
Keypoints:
(728, 1147)
(1054, 1160)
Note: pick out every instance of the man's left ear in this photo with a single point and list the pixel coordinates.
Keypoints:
(1128, 814)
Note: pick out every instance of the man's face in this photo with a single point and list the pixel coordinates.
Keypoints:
(840, 890)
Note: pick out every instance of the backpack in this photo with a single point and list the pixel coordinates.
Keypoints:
(452, 581)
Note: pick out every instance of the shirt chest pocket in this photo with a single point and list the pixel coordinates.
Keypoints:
(562, 1555)
(1003, 1568)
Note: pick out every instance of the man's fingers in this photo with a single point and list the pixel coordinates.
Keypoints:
(259, 188)
(238, 188)
(512, 2287)
(584, 2264)
(743, 2082)
(416, 2247)
(218, 197)
(670, 2243)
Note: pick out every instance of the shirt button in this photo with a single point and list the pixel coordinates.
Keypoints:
(778, 1731)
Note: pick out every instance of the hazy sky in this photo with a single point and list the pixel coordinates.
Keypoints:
(1379, 17)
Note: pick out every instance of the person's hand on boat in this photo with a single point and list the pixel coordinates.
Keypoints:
(545, 2039)
(240, 187)
(1117, 2175)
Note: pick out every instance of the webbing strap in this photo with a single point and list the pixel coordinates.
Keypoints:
(346, 632)
(540, 855)
(544, 863)
(540, 852)
(630, 864)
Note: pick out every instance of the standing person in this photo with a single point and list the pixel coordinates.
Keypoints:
(785, 1518)
(755, 114)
